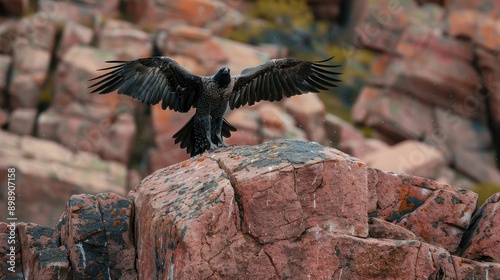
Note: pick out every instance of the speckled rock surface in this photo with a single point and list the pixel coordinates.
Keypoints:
(292, 209)
(437, 213)
(482, 239)
(285, 209)
(206, 210)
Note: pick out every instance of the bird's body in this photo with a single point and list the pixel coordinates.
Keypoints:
(161, 79)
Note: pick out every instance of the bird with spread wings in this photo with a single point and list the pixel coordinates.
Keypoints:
(161, 79)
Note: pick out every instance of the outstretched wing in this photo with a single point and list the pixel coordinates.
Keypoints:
(280, 78)
(151, 80)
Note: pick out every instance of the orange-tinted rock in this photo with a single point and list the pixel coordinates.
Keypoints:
(195, 12)
(437, 213)
(463, 22)
(487, 33)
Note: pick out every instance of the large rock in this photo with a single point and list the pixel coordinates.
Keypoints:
(97, 231)
(437, 213)
(100, 124)
(93, 237)
(231, 192)
(47, 169)
(35, 238)
(283, 209)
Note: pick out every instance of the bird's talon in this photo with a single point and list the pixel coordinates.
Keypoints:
(222, 144)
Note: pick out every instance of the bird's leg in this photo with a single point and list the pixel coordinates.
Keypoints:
(217, 133)
(207, 129)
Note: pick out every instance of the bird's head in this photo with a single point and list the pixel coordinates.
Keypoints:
(223, 77)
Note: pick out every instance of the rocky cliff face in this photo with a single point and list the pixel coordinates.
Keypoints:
(434, 79)
(282, 209)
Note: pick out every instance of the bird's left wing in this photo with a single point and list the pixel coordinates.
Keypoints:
(280, 78)
(151, 80)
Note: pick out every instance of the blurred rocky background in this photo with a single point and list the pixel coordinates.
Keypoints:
(419, 92)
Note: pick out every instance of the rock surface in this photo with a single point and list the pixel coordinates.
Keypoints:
(273, 206)
(47, 169)
(417, 89)
(282, 209)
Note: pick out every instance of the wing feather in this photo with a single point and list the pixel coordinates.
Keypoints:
(151, 80)
(280, 78)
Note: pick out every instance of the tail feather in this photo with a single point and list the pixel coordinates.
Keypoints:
(185, 136)
(227, 128)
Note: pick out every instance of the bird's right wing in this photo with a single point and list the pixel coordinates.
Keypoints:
(151, 80)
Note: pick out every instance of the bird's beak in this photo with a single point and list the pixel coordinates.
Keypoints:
(226, 71)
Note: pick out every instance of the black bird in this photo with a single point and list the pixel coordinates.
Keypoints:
(156, 79)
